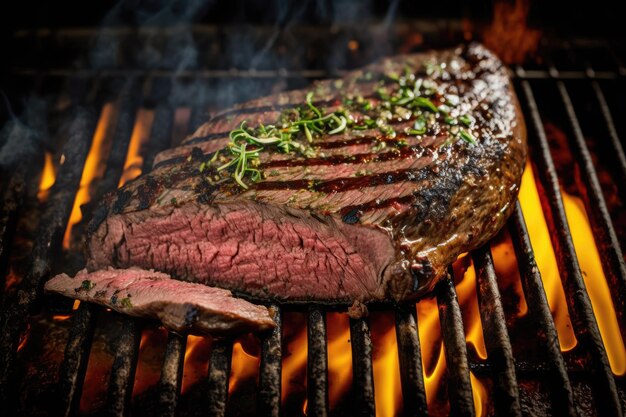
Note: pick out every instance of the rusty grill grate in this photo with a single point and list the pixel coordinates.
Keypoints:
(134, 89)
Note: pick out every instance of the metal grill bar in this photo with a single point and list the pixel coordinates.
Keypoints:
(614, 140)
(281, 73)
(459, 385)
(115, 165)
(317, 363)
(410, 357)
(75, 359)
(268, 399)
(497, 343)
(49, 235)
(579, 305)
(362, 370)
(219, 373)
(559, 384)
(171, 374)
(123, 371)
(128, 105)
(603, 230)
(13, 197)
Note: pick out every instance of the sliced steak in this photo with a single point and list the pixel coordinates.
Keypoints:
(180, 306)
(372, 212)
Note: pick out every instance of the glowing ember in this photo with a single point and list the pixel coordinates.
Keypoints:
(48, 176)
(138, 140)
(94, 167)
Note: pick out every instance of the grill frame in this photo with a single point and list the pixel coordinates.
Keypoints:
(138, 88)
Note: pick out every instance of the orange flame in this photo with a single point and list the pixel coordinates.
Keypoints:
(195, 365)
(95, 165)
(244, 364)
(387, 389)
(546, 259)
(150, 359)
(295, 347)
(138, 139)
(596, 283)
(48, 176)
(339, 357)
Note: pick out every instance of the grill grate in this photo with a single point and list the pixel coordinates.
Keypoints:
(132, 89)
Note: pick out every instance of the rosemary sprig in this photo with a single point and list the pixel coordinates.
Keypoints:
(244, 160)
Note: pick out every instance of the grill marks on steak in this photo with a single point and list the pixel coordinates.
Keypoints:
(180, 306)
(351, 222)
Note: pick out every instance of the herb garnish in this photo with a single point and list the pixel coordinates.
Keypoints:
(246, 142)
(126, 302)
(86, 285)
(407, 97)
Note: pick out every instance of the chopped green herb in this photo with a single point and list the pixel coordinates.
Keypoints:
(379, 146)
(466, 119)
(450, 120)
(86, 285)
(467, 136)
(126, 303)
(174, 201)
(420, 126)
(426, 104)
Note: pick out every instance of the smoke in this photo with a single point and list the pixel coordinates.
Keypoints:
(22, 138)
(164, 35)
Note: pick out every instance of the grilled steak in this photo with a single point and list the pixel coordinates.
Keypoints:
(420, 160)
(181, 306)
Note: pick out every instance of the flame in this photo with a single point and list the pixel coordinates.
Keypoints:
(95, 165)
(48, 176)
(150, 359)
(480, 395)
(466, 293)
(387, 388)
(245, 363)
(339, 356)
(507, 271)
(596, 283)
(433, 354)
(546, 259)
(195, 364)
(508, 34)
(293, 375)
(138, 139)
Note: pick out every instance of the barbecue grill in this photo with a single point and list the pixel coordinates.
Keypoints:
(91, 108)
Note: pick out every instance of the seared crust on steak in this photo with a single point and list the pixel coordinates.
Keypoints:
(355, 220)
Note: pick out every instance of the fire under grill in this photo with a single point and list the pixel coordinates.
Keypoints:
(105, 126)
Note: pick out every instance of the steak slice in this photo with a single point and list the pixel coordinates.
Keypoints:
(180, 306)
(374, 211)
